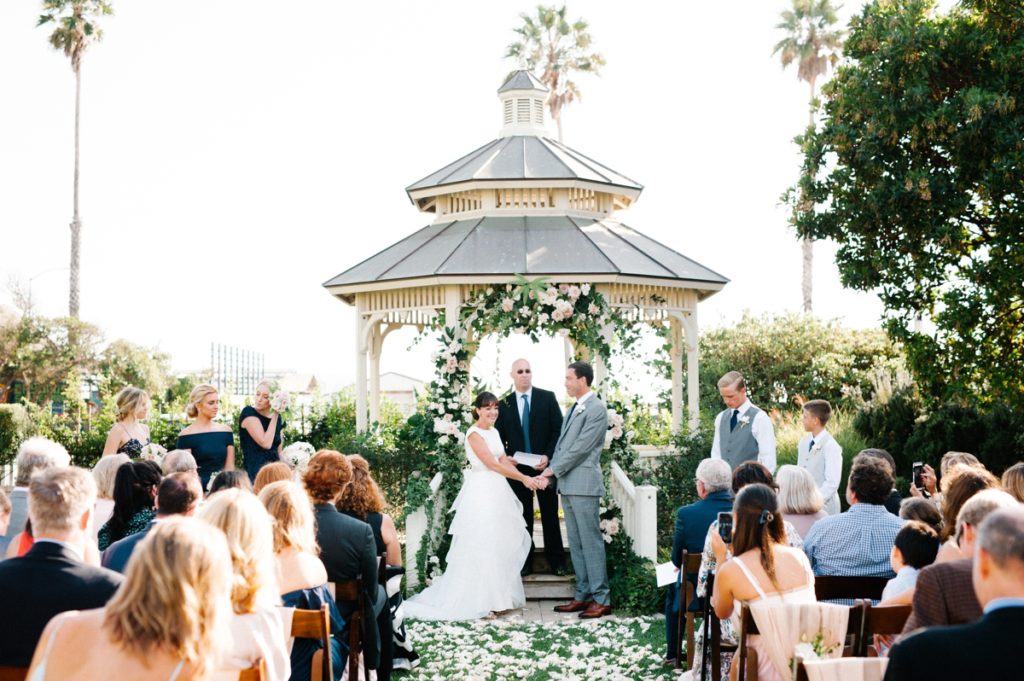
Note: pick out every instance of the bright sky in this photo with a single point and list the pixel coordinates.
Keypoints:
(237, 154)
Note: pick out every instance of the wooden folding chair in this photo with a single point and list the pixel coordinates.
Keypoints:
(13, 673)
(886, 620)
(713, 624)
(257, 672)
(829, 588)
(690, 565)
(350, 594)
(316, 624)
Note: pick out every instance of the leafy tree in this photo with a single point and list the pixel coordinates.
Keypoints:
(550, 43)
(75, 29)
(813, 43)
(918, 172)
(45, 355)
(123, 363)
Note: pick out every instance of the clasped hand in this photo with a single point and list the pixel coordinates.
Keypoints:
(539, 482)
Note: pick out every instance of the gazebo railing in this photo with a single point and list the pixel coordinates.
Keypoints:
(639, 505)
(415, 531)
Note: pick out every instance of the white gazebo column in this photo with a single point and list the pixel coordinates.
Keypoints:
(376, 340)
(689, 320)
(360, 385)
(676, 350)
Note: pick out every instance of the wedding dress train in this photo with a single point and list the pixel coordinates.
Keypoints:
(489, 546)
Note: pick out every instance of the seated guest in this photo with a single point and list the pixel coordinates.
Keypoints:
(1013, 481)
(256, 628)
(949, 461)
(179, 461)
(230, 480)
(915, 548)
(168, 620)
(178, 494)
(272, 472)
(762, 568)
(301, 577)
(799, 498)
(134, 496)
(34, 454)
(943, 594)
(960, 484)
(348, 550)
(714, 482)
(51, 578)
(919, 508)
(892, 502)
(988, 645)
(5, 518)
(857, 543)
(105, 473)
(363, 500)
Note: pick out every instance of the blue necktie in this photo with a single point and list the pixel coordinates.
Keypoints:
(733, 418)
(526, 425)
(810, 446)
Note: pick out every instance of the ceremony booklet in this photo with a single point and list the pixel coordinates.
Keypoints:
(667, 573)
(527, 459)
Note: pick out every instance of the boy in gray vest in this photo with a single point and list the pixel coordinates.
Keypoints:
(742, 431)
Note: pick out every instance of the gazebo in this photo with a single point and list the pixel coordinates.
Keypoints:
(523, 205)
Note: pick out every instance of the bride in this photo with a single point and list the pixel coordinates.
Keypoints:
(489, 539)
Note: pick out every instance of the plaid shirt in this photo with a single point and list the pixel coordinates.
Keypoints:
(853, 544)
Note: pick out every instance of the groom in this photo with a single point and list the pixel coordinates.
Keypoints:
(576, 464)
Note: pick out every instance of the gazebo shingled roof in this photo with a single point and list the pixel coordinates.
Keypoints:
(523, 204)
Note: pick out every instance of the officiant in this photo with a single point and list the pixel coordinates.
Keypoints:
(529, 420)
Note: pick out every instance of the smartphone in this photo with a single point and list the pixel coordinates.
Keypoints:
(725, 527)
(918, 482)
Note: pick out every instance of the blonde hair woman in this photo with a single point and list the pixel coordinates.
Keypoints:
(105, 473)
(167, 621)
(301, 577)
(1013, 481)
(800, 499)
(272, 472)
(128, 435)
(259, 432)
(211, 444)
(256, 626)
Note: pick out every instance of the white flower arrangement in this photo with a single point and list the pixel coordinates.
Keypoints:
(280, 401)
(609, 528)
(297, 455)
(152, 452)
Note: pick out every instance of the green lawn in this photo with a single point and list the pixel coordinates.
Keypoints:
(497, 649)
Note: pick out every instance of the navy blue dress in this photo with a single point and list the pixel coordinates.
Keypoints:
(255, 457)
(210, 450)
(304, 648)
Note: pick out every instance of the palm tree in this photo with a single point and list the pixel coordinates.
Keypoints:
(75, 30)
(547, 41)
(814, 44)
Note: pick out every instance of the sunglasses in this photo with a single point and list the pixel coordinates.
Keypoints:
(522, 371)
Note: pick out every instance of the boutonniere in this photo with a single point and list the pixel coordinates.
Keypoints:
(744, 420)
(816, 448)
(580, 408)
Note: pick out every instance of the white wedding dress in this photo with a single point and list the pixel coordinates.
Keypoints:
(489, 547)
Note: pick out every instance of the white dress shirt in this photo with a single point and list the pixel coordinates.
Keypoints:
(761, 428)
(519, 402)
(831, 466)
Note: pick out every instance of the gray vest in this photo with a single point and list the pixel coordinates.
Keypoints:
(738, 445)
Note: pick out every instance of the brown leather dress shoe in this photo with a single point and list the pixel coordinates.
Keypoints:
(596, 610)
(574, 606)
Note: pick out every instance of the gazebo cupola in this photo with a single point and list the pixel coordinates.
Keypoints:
(523, 205)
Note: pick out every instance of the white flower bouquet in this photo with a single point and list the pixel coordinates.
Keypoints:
(152, 452)
(280, 401)
(297, 455)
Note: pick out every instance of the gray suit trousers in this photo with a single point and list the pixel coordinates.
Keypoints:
(582, 524)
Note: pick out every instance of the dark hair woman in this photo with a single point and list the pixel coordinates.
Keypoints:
(134, 497)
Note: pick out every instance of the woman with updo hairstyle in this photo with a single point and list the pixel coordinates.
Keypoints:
(168, 620)
(762, 568)
(135, 488)
(211, 444)
(128, 435)
(256, 628)
(259, 432)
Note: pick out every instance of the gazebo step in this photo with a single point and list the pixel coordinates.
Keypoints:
(548, 587)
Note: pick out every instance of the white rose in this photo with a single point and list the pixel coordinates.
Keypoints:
(585, 289)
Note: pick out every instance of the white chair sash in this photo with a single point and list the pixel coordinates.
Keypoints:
(847, 669)
(781, 625)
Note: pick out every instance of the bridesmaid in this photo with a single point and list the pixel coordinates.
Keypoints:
(211, 444)
(128, 435)
(259, 432)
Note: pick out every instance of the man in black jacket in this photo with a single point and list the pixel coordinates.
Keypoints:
(529, 420)
(51, 578)
(987, 646)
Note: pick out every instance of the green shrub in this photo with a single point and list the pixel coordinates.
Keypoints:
(889, 424)
(674, 476)
(14, 427)
(631, 579)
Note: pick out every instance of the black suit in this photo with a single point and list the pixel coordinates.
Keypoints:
(46, 581)
(545, 427)
(983, 649)
(116, 556)
(348, 550)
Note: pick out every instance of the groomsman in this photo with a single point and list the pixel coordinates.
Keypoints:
(530, 421)
(742, 431)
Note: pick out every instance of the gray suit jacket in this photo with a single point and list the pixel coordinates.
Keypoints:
(577, 458)
(19, 511)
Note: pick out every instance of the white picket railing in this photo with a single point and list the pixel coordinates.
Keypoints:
(639, 505)
(7, 476)
(415, 529)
